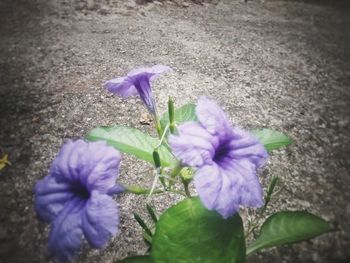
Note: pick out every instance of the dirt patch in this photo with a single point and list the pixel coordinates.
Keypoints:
(276, 64)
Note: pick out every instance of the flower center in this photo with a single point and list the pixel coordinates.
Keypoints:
(221, 152)
(81, 192)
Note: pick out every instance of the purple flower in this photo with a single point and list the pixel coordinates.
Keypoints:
(76, 197)
(137, 82)
(226, 159)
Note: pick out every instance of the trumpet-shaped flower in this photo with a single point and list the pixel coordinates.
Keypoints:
(138, 82)
(75, 197)
(226, 159)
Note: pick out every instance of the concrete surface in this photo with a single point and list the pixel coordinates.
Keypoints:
(274, 64)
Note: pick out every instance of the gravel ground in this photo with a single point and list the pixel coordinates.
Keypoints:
(284, 65)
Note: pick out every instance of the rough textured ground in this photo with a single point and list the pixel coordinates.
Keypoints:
(270, 64)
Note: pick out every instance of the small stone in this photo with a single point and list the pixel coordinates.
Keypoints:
(185, 4)
(90, 4)
(104, 10)
(130, 4)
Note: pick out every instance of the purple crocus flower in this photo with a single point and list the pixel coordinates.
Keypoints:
(226, 159)
(75, 197)
(137, 82)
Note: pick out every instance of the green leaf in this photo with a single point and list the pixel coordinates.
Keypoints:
(185, 113)
(152, 213)
(287, 228)
(136, 259)
(271, 139)
(132, 141)
(189, 233)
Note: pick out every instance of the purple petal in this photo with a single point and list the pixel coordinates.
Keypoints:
(93, 165)
(244, 145)
(224, 190)
(245, 184)
(208, 182)
(159, 69)
(194, 146)
(121, 86)
(251, 194)
(81, 178)
(51, 197)
(66, 234)
(116, 189)
(100, 220)
(66, 164)
(226, 157)
(101, 166)
(212, 118)
(138, 82)
(143, 87)
(217, 190)
(151, 71)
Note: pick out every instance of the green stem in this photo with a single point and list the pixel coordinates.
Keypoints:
(187, 190)
(141, 191)
(142, 224)
(161, 178)
(144, 191)
(147, 238)
(175, 172)
(152, 213)
(176, 192)
(171, 113)
(157, 125)
(156, 158)
(269, 193)
(162, 137)
(177, 169)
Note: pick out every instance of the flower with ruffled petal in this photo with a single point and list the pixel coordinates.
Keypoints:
(138, 82)
(76, 197)
(226, 159)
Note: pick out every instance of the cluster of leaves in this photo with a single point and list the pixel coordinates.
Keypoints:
(187, 232)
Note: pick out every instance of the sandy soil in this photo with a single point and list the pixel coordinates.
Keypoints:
(284, 65)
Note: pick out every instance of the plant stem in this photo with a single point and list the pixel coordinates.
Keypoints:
(175, 172)
(142, 224)
(176, 192)
(269, 193)
(171, 113)
(177, 169)
(157, 125)
(141, 191)
(145, 191)
(187, 190)
(152, 213)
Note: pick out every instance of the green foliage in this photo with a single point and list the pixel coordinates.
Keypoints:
(185, 113)
(189, 233)
(271, 139)
(152, 213)
(132, 141)
(288, 227)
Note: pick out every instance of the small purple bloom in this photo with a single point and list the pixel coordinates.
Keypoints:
(75, 197)
(137, 82)
(226, 159)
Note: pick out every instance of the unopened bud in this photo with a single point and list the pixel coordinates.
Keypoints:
(171, 115)
(156, 159)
